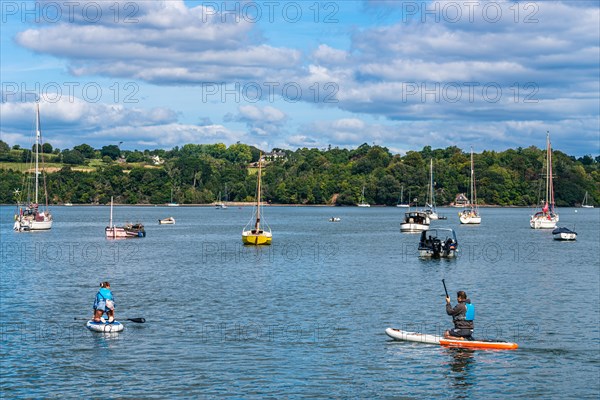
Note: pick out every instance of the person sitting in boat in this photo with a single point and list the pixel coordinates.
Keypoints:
(104, 303)
(462, 316)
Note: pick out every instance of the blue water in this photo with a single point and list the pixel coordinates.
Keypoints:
(302, 318)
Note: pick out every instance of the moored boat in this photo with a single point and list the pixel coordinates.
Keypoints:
(166, 221)
(564, 234)
(258, 235)
(123, 232)
(362, 202)
(585, 202)
(29, 217)
(430, 209)
(547, 217)
(415, 221)
(438, 243)
(471, 215)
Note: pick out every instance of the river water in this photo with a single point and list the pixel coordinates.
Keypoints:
(304, 317)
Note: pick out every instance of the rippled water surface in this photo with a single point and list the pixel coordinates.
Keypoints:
(302, 318)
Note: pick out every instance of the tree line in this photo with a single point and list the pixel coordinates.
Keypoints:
(197, 173)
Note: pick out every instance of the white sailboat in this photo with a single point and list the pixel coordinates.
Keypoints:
(430, 204)
(258, 235)
(362, 202)
(172, 203)
(220, 205)
(401, 203)
(547, 217)
(471, 215)
(584, 203)
(31, 218)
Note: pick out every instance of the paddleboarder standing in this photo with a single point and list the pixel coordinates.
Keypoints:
(462, 316)
(104, 303)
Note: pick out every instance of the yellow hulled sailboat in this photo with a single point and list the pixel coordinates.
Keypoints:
(257, 235)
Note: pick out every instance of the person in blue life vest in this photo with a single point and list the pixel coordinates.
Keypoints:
(463, 315)
(104, 303)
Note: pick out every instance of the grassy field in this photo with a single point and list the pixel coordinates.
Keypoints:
(93, 165)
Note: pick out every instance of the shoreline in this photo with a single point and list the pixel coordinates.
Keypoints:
(246, 204)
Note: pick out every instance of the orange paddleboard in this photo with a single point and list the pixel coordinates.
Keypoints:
(476, 344)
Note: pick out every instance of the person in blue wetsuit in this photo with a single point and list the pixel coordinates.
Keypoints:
(462, 316)
(104, 303)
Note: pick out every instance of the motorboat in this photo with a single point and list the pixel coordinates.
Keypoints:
(563, 233)
(415, 221)
(438, 243)
(166, 221)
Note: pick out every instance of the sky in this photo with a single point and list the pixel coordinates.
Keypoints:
(288, 74)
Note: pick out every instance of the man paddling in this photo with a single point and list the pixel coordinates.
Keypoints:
(462, 316)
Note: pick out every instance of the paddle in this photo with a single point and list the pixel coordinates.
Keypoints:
(445, 290)
(136, 320)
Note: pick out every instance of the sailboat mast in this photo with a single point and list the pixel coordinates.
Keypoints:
(37, 149)
(257, 226)
(472, 177)
(431, 183)
(110, 223)
(547, 167)
(551, 184)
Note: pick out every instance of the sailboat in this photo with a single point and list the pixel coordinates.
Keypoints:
(471, 215)
(31, 218)
(584, 203)
(362, 202)
(220, 205)
(401, 202)
(121, 232)
(257, 235)
(172, 204)
(547, 217)
(430, 203)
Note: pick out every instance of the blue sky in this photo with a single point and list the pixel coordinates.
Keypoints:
(403, 74)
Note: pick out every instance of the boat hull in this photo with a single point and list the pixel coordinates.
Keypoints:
(431, 254)
(544, 222)
(565, 236)
(469, 219)
(24, 225)
(256, 239)
(408, 227)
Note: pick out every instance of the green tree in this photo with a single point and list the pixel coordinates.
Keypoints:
(111, 151)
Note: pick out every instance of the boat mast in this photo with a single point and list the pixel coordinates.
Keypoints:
(257, 225)
(551, 184)
(110, 223)
(472, 178)
(431, 184)
(37, 149)
(547, 168)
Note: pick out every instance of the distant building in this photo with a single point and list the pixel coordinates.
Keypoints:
(461, 200)
(275, 155)
(157, 161)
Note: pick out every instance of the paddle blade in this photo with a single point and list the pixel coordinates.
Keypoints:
(137, 320)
